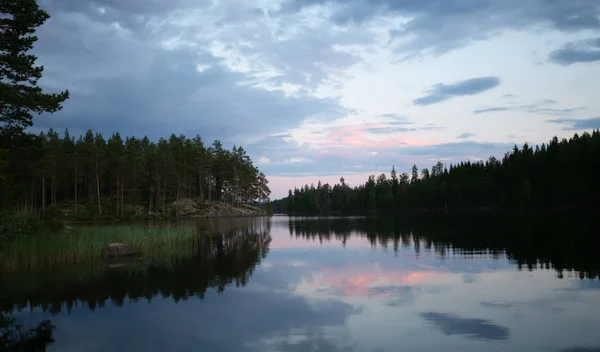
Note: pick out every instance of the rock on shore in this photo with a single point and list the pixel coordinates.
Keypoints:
(116, 250)
(192, 208)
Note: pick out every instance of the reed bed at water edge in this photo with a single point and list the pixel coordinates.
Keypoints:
(86, 243)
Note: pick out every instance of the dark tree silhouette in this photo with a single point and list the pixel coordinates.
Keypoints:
(46, 169)
(558, 175)
(19, 93)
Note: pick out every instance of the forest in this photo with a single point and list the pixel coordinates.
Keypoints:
(115, 174)
(44, 170)
(560, 175)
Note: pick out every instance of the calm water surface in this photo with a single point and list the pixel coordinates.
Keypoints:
(302, 284)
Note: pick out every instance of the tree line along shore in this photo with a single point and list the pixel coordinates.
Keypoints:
(559, 175)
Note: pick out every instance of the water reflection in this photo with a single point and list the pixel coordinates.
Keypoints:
(16, 338)
(360, 284)
(564, 243)
(220, 259)
(473, 328)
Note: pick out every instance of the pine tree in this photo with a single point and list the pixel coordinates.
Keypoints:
(19, 93)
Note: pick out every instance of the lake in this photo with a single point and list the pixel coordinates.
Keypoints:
(469, 283)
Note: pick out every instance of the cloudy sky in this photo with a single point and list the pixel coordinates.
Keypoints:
(318, 89)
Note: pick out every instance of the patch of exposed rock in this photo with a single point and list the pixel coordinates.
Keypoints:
(116, 250)
(193, 208)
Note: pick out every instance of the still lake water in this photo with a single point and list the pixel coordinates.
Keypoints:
(335, 284)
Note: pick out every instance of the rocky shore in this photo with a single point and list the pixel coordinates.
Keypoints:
(193, 208)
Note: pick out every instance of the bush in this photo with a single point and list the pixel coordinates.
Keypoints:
(16, 225)
(53, 219)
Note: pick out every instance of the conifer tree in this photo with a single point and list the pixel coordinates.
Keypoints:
(19, 92)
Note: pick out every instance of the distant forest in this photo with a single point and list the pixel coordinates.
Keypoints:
(562, 174)
(37, 171)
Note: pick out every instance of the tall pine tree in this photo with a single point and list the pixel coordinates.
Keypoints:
(19, 92)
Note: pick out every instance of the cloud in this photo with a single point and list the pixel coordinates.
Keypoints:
(497, 304)
(536, 108)
(394, 129)
(557, 112)
(257, 74)
(477, 329)
(441, 92)
(133, 67)
(494, 109)
(331, 162)
(578, 124)
(583, 51)
(436, 27)
(394, 119)
(466, 135)
(269, 310)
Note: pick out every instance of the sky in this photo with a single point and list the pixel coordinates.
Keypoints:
(320, 89)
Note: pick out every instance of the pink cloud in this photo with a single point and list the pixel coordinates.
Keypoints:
(358, 136)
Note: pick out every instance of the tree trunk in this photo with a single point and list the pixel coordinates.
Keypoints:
(43, 190)
(32, 195)
(150, 201)
(52, 189)
(131, 200)
(117, 194)
(164, 199)
(89, 190)
(122, 195)
(98, 187)
(75, 189)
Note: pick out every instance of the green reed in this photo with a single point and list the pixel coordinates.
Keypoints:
(85, 243)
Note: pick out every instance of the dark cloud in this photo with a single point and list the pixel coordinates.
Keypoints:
(441, 92)
(440, 26)
(143, 17)
(581, 349)
(497, 304)
(478, 329)
(578, 124)
(466, 135)
(122, 81)
(584, 51)
(147, 7)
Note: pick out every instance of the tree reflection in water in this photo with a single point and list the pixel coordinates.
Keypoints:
(566, 243)
(221, 258)
(14, 337)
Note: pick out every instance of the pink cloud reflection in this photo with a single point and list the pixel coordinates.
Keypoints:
(370, 284)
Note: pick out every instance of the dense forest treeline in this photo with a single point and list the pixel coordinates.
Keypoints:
(114, 175)
(559, 175)
(43, 170)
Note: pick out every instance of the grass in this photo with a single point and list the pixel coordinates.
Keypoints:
(85, 244)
